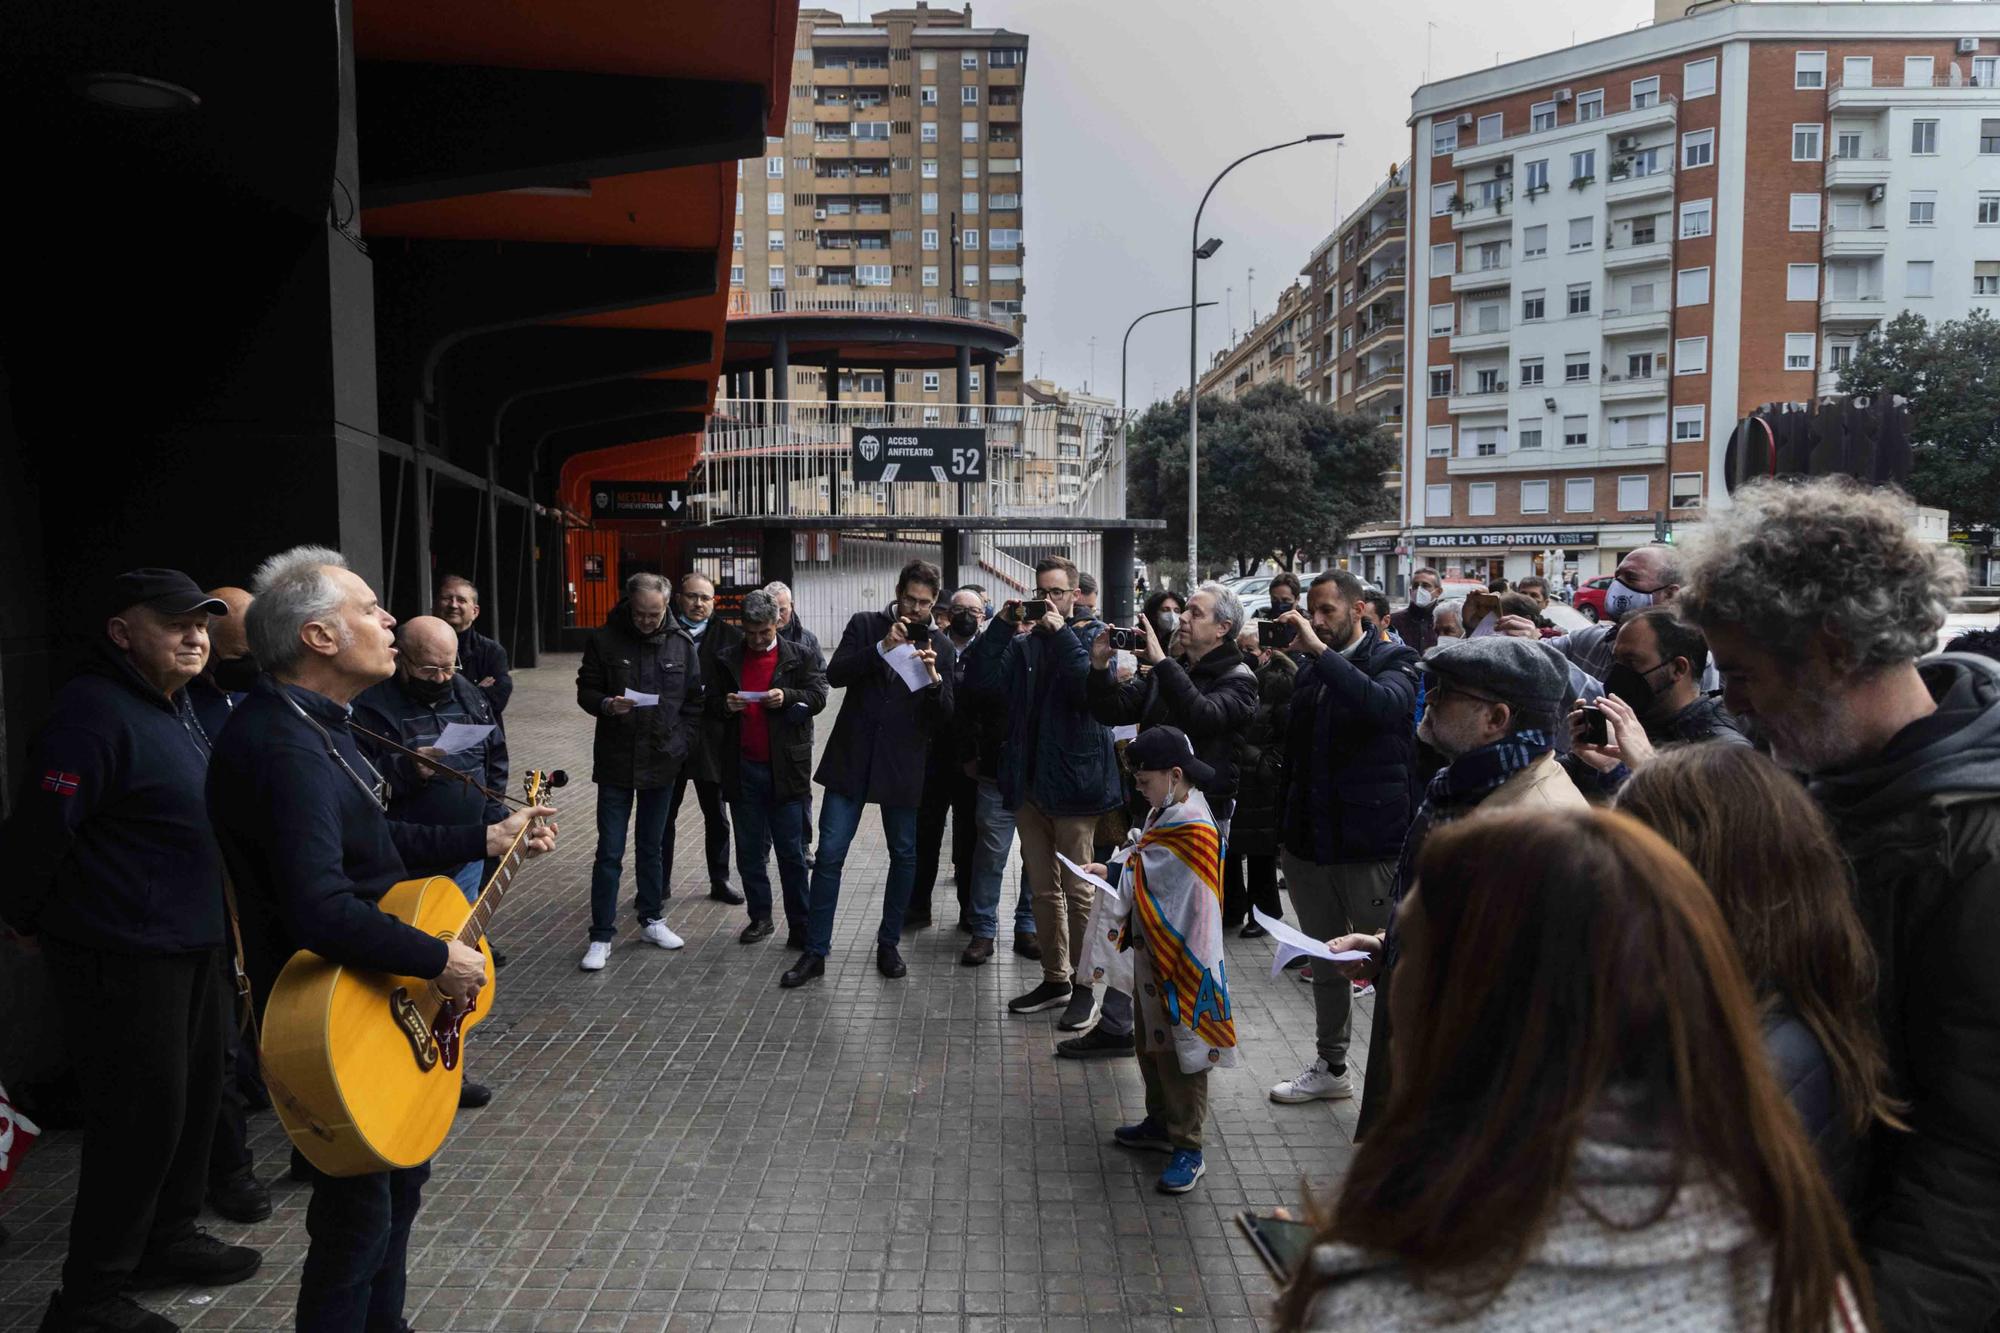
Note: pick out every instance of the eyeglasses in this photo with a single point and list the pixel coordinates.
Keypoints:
(433, 672)
(1440, 687)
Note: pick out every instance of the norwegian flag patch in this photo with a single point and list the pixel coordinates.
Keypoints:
(61, 783)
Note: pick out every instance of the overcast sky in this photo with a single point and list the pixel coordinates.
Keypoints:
(1132, 106)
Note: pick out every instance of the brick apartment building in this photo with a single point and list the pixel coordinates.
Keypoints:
(1621, 247)
(1269, 351)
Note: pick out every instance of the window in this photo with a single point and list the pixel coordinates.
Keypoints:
(968, 60)
(1806, 143)
(774, 167)
(1531, 372)
(1437, 441)
(1489, 128)
(930, 275)
(930, 238)
(1492, 255)
(1441, 197)
(1006, 57)
(1805, 212)
(1986, 71)
(736, 275)
(1857, 72)
(1534, 494)
(1802, 282)
(927, 60)
(1989, 210)
(872, 275)
(1534, 241)
(1532, 305)
(1697, 218)
(1698, 78)
(1441, 320)
(1645, 92)
(1690, 356)
(1576, 368)
(1698, 148)
(1444, 260)
(1918, 71)
(1838, 355)
(999, 166)
(1444, 137)
(968, 131)
(1923, 208)
(1579, 298)
(1847, 145)
(1690, 423)
(1003, 238)
(927, 96)
(1923, 138)
(1583, 166)
(1989, 137)
(1640, 298)
(1441, 383)
(969, 95)
(1537, 176)
(1809, 69)
(1590, 106)
(1579, 494)
(1639, 366)
(1684, 490)
(1437, 501)
(1002, 272)
(929, 170)
(928, 202)
(971, 238)
(1576, 432)
(1529, 436)
(1643, 232)
(927, 132)
(1986, 277)
(1799, 351)
(968, 169)
(1917, 278)
(969, 275)
(739, 201)
(968, 202)
(1635, 494)
(777, 275)
(1581, 233)
(1482, 497)
(774, 205)
(774, 239)
(871, 129)
(1541, 116)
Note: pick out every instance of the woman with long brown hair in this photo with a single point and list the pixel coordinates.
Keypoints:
(1769, 857)
(1583, 1131)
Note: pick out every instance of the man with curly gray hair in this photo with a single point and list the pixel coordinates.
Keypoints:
(1818, 601)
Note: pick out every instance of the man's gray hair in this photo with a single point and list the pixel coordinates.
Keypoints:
(291, 590)
(776, 589)
(759, 608)
(1829, 560)
(1228, 607)
(639, 583)
(1454, 606)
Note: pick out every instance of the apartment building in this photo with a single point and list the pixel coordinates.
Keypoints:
(1269, 351)
(896, 191)
(1624, 246)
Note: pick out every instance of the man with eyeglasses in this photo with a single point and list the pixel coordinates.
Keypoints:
(694, 611)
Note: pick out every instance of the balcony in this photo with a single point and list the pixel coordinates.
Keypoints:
(1478, 401)
(1480, 340)
(1852, 172)
(1632, 388)
(1936, 95)
(1635, 254)
(1854, 242)
(1472, 214)
(1394, 274)
(1853, 310)
(1380, 384)
(1479, 279)
(1376, 336)
(1565, 459)
(1622, 323)
(855, 300)
(1664, 112)
(1381, 236)
(1618, 189)
(1003, 115)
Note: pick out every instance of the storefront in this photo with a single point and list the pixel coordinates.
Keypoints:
(1556, 554)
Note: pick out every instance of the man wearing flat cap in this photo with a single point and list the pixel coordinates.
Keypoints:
(1493, 705)
(116, 871)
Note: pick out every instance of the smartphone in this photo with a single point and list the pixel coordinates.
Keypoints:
(1128, 640)
(919, 632)
(1280, 1242)
(1593, 727)
(1276, 633)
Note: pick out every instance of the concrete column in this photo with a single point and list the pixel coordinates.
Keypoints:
(781, 365)
(1115, 595)
(964, 376)
(992, 382)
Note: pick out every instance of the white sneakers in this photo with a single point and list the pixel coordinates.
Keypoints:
(656, 932)
(1318, 1083)
(596, 956)
(653, 932)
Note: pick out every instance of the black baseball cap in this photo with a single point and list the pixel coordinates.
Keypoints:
(167, 591)
(1157, 749)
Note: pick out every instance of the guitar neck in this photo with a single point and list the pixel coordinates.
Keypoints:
(490, 897)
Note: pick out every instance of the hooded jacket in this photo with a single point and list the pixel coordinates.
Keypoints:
(1211, 700)
(646, 747)
(1920, 822)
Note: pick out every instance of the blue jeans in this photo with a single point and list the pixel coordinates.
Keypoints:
(470, 878)
(762, 820)
(614, 812)
(839, 817)
(355, 1271)
(989, 867)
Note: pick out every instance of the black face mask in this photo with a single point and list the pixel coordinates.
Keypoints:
(427, 691)
(965, 622)
(1632, 686)
(234, 674)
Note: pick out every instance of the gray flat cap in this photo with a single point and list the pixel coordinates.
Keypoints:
(1522, 672)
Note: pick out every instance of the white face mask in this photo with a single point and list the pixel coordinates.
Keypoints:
(1621, 600)
(1422, 597)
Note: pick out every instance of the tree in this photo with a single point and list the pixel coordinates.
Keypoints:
(1279, 474)
(1950, 374)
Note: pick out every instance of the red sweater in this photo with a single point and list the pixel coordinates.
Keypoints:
(758, 668)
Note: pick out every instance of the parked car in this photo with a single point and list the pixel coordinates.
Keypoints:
(1589, 598)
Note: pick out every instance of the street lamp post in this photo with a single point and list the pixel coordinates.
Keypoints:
(1201, 250)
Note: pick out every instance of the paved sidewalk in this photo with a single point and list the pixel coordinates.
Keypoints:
(677, 1144)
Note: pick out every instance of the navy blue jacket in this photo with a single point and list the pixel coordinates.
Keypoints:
(212, 704)
(1350, 755)
(310, 851)
(881, 739)
(480, 657)
(1057, 754)
(390, 710)
(109, 846)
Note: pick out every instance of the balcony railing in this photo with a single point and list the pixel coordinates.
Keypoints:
(1394, 273)
(1394, 372)
(862, 301)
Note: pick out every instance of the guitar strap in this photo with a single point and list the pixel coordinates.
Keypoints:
(247, 1021)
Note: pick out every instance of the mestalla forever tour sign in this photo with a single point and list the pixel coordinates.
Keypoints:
(663, 500)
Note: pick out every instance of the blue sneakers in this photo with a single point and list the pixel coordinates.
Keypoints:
(1146, 1136)
(1182, 1172)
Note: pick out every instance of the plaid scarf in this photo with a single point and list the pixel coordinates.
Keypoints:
(1455, 791)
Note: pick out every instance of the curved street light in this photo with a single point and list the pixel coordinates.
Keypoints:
(1202, 250)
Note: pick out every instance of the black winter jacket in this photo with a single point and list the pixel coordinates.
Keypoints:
(1349, 755)
(110, 846)
(1211, 701)
(795, 631)
(706, 764)
(1921, 824)
(790, 728)
(882, 738)
(480, 657)
(646, 747)
(1260, 760)
(1806, 1079)
(389, 710)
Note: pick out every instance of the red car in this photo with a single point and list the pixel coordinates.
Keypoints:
(1589, 598)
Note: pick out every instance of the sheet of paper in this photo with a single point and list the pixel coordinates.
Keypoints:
(1125, 733)
(458, 736)
(1490, 625)
(1085, 875)
(753, 696)
(641, 699)
(906, 664)
(1295, 944)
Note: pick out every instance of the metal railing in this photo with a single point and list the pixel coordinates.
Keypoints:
(863, 301)
(1394, 372)
(1394, 273)
(1976, 81)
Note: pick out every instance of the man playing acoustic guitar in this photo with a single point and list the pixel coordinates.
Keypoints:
(298, 811)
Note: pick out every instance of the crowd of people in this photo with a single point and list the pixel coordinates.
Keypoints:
(1676, 926)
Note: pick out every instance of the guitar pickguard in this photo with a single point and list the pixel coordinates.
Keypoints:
(411, 1020)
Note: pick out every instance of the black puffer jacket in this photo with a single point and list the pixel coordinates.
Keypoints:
(1260, 760)
(646, 747)
(1349, 755)
(1921, 824)
(1211, 701)
(1806, 1079)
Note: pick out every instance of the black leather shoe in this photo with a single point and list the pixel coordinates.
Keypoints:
(1027, 946)
(300, 1169)
(889, 962)
(977, 951)
(472, 1096)
(722, 893)
(113, 1314)
(198, 1260)
(1095, 1044)
(758, 929)
(1251, 930)
(240, 1198)
(809, 966)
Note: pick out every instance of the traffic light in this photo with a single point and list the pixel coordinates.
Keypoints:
(1663, 528)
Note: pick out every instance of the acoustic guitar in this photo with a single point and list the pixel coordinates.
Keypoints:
(365, 1067)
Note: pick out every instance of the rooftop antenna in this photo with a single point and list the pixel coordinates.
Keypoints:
(1250, 297)
(1430, 31)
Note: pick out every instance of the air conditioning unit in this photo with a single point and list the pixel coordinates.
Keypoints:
(819, 214)
(1875, 195)
(1465, 121)
(1502, 170)
(1562, 95)
(1628, 143)
(1968, 46)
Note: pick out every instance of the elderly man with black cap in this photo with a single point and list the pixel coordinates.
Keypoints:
(1493, 706)
(115, 868)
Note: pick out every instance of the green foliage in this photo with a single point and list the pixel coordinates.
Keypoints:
(1279, 474)
(1951, 375)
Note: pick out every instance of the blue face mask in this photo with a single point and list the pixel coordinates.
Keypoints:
(1622, 600)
